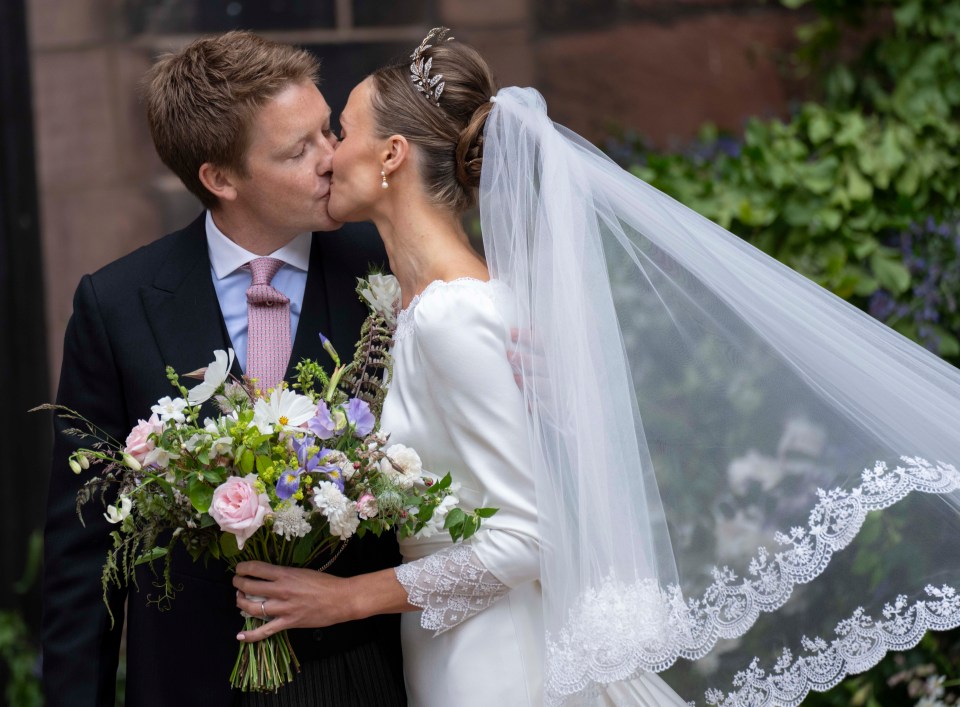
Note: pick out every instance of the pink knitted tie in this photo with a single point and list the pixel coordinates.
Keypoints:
(268, 325)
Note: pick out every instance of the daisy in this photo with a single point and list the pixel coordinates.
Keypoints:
(284, 409)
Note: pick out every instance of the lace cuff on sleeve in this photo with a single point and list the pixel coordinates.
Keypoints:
(450, 586)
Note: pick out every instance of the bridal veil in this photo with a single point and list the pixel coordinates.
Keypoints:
(743, 482)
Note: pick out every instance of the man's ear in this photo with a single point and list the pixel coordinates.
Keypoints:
(219, 181)
(396, 152)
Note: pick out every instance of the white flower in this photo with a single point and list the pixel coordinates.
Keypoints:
(284, 408)
(741, 534)
(222, 447)
(194, 442)
(170, 409)
(213, 377)
(435, 524)
(159, 458)
(802, 435)
(383, 295)
(754, 467)
(116, 514)
(291, 522)
(402, 465)
(338, 509)
(342, 462)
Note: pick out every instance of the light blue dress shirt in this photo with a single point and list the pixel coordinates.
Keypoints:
(231, 281)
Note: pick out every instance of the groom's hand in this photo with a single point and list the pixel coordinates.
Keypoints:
(524, 356)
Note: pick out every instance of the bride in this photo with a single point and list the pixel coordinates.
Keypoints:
(687, 468)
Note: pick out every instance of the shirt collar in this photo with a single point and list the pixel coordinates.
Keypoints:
(226, 256)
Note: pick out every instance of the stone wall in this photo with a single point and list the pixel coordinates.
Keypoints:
(95, 162)
(661, 67)
(663, 76)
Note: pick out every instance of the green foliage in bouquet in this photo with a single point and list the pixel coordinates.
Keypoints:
(371, 363)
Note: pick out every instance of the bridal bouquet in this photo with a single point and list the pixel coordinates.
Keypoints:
(286, 477)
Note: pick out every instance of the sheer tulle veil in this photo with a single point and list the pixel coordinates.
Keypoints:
(743, 482)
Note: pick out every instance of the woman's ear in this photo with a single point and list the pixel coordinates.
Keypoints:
(219, 181)
(395, 153)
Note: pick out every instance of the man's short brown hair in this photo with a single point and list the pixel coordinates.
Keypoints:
(201, 101)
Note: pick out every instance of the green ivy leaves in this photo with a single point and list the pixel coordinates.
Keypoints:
(825, 190)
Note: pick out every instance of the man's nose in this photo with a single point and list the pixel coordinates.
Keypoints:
(326, 155)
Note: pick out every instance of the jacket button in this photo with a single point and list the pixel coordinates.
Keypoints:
(318, 634)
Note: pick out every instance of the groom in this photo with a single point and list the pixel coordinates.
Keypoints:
(241, 122)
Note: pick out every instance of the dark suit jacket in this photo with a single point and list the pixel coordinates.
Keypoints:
(153, 308)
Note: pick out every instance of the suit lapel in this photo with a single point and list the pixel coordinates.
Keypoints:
(330, 303)
(181, 304)
(314, 314)
(346, 311)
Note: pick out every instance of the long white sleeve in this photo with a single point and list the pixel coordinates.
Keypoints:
(461, 342)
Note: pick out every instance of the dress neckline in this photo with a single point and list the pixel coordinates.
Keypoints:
(405, 315)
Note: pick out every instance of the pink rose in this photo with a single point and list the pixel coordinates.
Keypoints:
(238, 508)
(367, 506)
(138, 443)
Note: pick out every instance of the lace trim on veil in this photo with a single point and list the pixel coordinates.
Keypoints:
(860, 644)
(620, 629)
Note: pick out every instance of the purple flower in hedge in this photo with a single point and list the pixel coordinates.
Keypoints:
(287, 484)
(359, 415)
(321, 424)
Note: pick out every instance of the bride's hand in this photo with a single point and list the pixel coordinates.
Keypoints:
(291, 598)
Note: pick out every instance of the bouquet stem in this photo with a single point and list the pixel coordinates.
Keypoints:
(264, 666)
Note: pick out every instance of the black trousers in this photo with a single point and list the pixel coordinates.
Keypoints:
(359, 677)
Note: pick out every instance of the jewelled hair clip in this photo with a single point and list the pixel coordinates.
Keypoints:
(430, 86)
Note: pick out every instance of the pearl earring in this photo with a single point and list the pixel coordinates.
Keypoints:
(383, 176)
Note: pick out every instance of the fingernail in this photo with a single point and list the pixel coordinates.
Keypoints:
(241, 636)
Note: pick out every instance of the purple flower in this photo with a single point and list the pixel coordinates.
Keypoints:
(302, 449)
(321, 424)
(359, 415)
(328, 347)
(288, 483)
(313, 465)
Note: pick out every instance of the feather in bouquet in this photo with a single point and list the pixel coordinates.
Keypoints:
(287, 477)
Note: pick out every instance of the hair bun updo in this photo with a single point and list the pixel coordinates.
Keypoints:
(470, 147)
(448, 136)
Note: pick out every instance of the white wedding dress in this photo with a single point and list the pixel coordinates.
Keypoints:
(479, 639)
